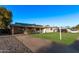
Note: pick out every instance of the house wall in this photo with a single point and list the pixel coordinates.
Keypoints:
(18, 30)
(49, 29)
(33, 30)
(55, 29)
(27, 30)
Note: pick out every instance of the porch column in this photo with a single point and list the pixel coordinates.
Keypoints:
(25, 30)
(40, 30)
(12, 30)
(35, 29)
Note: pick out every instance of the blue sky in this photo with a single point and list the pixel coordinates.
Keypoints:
(54, 15)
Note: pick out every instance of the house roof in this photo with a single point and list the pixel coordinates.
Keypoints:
(31, 25)
(26, 25)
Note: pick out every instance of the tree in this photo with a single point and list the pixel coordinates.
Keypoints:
(77, 27)
(5, 18)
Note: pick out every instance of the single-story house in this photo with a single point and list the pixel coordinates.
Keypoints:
(31, 28)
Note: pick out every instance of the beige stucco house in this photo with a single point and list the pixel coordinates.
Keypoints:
(18, 28)
(49, 29)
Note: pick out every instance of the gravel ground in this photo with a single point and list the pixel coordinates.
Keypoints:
(9, 44)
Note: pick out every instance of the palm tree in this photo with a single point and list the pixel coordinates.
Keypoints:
(5, 18)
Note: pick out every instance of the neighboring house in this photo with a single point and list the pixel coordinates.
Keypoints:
(31, 28)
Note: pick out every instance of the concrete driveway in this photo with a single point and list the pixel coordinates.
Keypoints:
(33, 43)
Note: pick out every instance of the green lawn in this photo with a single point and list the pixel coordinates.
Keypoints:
(67, 38)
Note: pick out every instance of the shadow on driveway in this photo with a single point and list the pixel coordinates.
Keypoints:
(60, 48)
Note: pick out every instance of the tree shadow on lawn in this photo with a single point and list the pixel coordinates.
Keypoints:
(60, 48)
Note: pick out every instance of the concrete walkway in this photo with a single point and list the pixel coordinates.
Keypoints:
(33, 43)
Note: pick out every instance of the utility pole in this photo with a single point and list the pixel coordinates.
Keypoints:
(60, 33)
